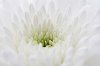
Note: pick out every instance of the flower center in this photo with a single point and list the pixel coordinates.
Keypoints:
(45, 35)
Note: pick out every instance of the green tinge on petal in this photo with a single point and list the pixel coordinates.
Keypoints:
(46, 36)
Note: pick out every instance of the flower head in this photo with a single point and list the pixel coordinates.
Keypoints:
(47, 35)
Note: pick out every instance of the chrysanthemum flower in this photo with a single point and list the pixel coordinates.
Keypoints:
(34, 34)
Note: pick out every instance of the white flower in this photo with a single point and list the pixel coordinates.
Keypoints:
(32, 34)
